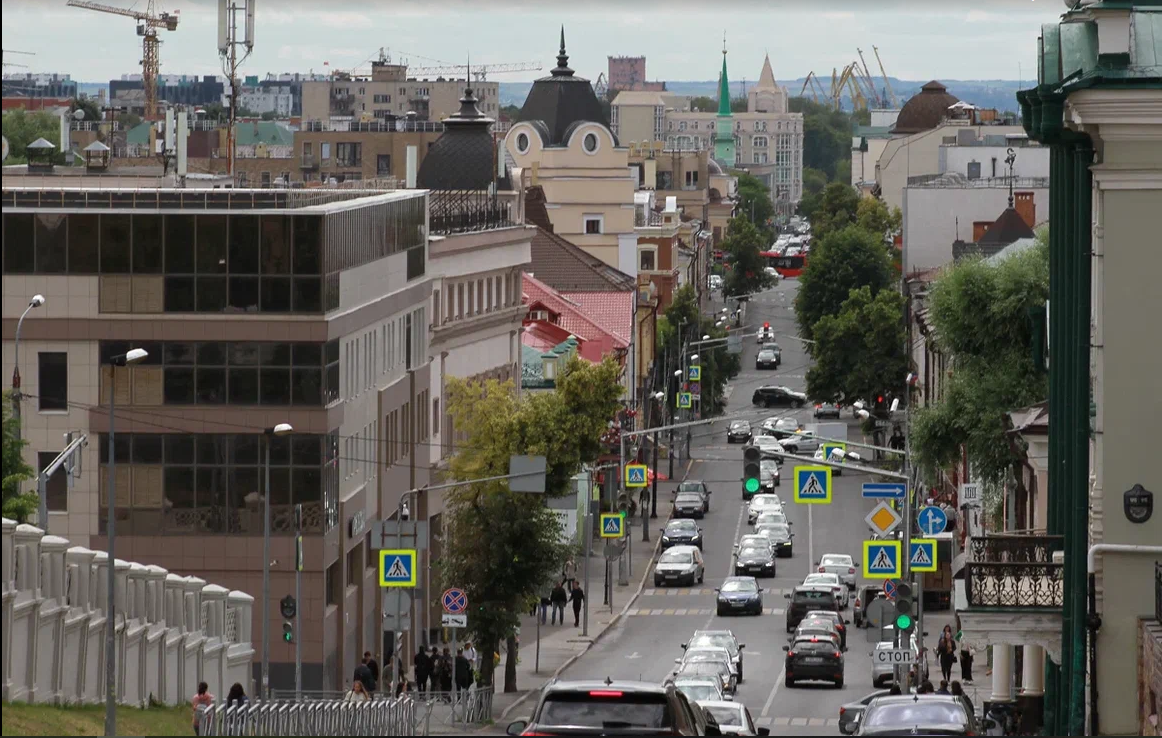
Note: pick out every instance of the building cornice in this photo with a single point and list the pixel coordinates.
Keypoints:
(454, 329)
(1125, 177)
(1121, 114)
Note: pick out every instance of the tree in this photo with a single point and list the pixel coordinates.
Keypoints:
(837, 208)
(826, 139)
(704, 104)
(873, 215)
(737, 104)
(841, 262)
(983, 316)
(814, 180)
(743, 246)
(22, 128)
(269, 115)
(512, 112)
(18, 505)
(92, 112)
(129, 121)
(502, 546)
(718, 365)
(860, 351)
(754, 201)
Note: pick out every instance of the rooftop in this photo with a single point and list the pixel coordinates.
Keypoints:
(567, 267)
(82, 197)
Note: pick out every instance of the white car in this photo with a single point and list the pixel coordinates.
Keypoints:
(760, 504)
(732, 717)
(780, 427)
(840, 565)
(771, 517)
(701, 688)
(710, 653)
(830, 580)
(882, 672)
(769, 447)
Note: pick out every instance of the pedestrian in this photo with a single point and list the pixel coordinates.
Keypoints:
(203, 699)
(946, 652)
(402, 685)
(895, 689)
(927, 688)
(446, 666)
(236, 697)
(373, 665)
(463, 671)
(545, 602)
(558, 598)
(577, 596)
(357, 693)
(943, 687)
(363, 675)
(569, 572)
(472, 656)
(423, 667)
(966, 654)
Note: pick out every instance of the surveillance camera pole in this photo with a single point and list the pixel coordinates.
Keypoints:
(400, 517)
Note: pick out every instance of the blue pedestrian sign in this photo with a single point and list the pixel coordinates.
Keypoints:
(932, 520)
(881, 559)
(685, 400)
(397, 567)
(612, 525)
(813, 484)
(922, 554)
(694, 374)
(884, 490)
(635, 475)
(454, 601)
(828, 447)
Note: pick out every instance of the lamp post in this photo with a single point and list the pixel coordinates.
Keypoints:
(660, 397)
(133, 356)
(281, 429)
(35, 302)
(402, 513)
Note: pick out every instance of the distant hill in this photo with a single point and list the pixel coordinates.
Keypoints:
(987, 93)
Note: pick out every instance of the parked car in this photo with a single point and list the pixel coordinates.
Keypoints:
(928, 714)
(850, 714)
(772, 396)
(766, 360)
(733, 718)
(817, 659)
(739, 432)
(827, 410)
(723, 638)
(681, 532)
(840, 565)
(755, 560)
(740, 595)
(678, 565)
(689, 505)
(806, 598)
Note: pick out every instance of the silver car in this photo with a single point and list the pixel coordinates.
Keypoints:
(850, 714)
(840, 565)
(771, 517)
(709, 652)
(697, 689)
(762, 503)
(719, 638)
(708, 669)
(883, 672)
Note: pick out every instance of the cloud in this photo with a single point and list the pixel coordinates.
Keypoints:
(839, 15)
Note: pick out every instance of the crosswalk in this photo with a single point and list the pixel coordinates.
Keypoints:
(803, 722)
(702, 591)
(657, 611)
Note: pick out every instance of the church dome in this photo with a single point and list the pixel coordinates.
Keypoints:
(924, 112)
(562, 99)
(463, 157)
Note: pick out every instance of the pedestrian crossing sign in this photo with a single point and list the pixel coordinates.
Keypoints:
(922, 554)
(881, 559)
(685, 400)
(397, 567)
(612, 525)
(635, 475)
(813, 484)
(695, 373)
(831, 446)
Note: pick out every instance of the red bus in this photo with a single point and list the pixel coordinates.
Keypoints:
(786, 266)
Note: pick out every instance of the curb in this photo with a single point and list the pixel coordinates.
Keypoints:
(572, 659)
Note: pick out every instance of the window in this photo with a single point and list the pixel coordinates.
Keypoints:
(522, 143)
(760, 157)
(648, 261)
(383, 165)
(593, 224)
(57, 489)
(682, 125)
(325, 150)
(115, 244)
(51, 243)
(53, 388)
(308, 149)
(692, 178)
(354, 566)
(333, 584)
(759, 142)
(349, 154)
(590, 143)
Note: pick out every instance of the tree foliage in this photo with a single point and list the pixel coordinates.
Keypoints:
(826, 137)
(704, 104)
(22, 127)
(92, 112)
(754, 202)
(983, 316)
(18, 505)
(859, 351)
(871, 214)
(835, 209)
(743, 246)
(502, 546)
(718, 365)
(843, 261)
(814, 180)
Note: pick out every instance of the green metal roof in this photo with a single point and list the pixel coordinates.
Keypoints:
(266, 131)
(138, 134)
(871, 131)
(1070, 60)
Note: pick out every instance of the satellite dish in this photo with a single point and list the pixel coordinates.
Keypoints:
(6, 148)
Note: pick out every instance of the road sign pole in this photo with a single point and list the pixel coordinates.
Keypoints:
(298, 603)
(906, 540)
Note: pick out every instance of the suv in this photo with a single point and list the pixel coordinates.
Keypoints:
(805, 598)
(608, 707)
(816, 659)
(770, 396)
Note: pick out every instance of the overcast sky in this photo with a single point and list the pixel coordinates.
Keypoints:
(917, 39)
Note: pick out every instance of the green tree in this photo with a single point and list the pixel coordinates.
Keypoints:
(754, 202)
(844, 261)
(92, 112)
(737, 104)
(512, 112)
(742, 245)
(836, 209)
(873, 215)
(814, 180)
(22, 128)
(859, 351)
(985, 317)
(129, 121)
(18, 505)
(704, 104)
(718, 365)
(501, 546)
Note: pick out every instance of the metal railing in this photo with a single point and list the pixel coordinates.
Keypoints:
(1007, 585)
(956, 180)
(466, 707)
(1014, 549)
(316, 718)
(466, 211)
(374, 126)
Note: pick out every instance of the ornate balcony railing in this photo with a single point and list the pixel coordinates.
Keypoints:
(1014, 549)
(465, 211)
(990, 584)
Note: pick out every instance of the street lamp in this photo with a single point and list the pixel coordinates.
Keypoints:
(133, 356)
(403, 512)
(694, 357)
(35, 302)
(281, 429)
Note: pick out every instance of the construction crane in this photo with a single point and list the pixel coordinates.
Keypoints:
(874, 97)
(479, 71)
(887, 84)
(148, 21)
(601, 87)
(812, 80)
(13, 64)
(864, 82)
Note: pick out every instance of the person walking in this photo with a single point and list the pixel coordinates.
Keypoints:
(373, 665)
(471, 655)
(966, 654)
(577, 597)
(545, 602)
(363, 675)
(558, 598)
(203, 699)
(423, 668)
(463, 671)
(357, 693)
(569, 572)
(946, 652)
(236, 697)
(446, 666)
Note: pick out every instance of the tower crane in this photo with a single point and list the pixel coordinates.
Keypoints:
(812, 80)
(874, 97)
(148, 21)
(887, 84)
(479, 71)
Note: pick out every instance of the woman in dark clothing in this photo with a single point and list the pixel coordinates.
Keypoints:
(946, 652)
(446, 671)
(236, 697)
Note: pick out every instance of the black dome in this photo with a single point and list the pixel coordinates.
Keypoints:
(463, 158)
(924, 111)
(562, 99)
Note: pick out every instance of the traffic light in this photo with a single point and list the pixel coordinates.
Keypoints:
(751, 466)
(288, 632)
(766, 325)
(904, 620)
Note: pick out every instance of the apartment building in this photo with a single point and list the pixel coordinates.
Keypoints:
(257, 307)
(348, 151)
(39, 84)
(177, 89)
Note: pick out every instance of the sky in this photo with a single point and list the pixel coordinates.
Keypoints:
(917, 39)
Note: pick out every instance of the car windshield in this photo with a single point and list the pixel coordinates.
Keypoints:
(703, 667)
(681, 526)
(739, 426)
(766, 354)
(699, 691)
(752, 551)
(721, 640)
(726, 715)
(821, 579)
(755, 540)
(694, 657)
(690, 487)
(765, 501)
(599, 708)
(812, 595)
(772, 531)
(739, 585)
(677, 557)
(771, 516)
(918, 712)
(769, 465)
(836, 560)
(766, 441)
(689, 497)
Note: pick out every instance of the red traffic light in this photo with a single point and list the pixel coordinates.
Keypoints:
(880, 398)
(766, 325)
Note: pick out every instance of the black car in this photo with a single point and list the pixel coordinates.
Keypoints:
(772, 346)
(681, 533)
(689, 505)
(769, 476)
(807, 597)
(813, 659)
(923, 714)
(697, 485)
(770, 396)
(766, 360)
(739, 432)
(758, 561)
(782, 540)
(614, 708)
(740, 595)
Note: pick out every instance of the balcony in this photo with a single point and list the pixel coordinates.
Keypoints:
(309, 161)
(467, 211)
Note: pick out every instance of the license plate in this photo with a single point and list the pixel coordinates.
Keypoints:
(813, 660)
(737, 604)
(671, 576)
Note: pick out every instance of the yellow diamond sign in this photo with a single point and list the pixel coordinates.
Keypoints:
(882, 519)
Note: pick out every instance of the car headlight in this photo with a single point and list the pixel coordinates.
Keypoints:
(665, 538)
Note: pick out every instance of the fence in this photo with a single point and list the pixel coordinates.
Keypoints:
(467, 707)
(317, 718)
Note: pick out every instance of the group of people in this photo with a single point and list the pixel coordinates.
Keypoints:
(564, 591)
(946, 651)
(365, 680)
(438, 672)
(203, 699)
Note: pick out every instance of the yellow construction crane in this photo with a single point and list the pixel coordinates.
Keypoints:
(148, 21)
(887, 84)
(816, 86)
(479, 72)
(874, 96)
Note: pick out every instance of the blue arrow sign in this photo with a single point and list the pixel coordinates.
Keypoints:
(884, 490)
(932, 520)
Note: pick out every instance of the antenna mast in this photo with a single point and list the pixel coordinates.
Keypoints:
(228, 48)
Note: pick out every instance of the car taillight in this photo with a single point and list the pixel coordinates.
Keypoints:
(605, 693)
(842, 711)
(838, 655)
(790, 654)
(851, 570)
(818, 406)
(857, 603)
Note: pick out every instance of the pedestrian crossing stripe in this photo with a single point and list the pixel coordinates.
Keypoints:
(611, 525)
(881, 559)
(922, 554)
(698, 592)
(397, 568)
(808, 722)
(813, 484)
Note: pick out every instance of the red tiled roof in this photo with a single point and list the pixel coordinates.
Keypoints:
(612, 310)
(543, 336)
(598, 338)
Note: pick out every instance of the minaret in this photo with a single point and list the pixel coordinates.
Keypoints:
(724, 125)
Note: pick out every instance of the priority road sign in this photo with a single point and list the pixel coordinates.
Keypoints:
(454, 600)
(694, 373)
(685, 400)
(933, 520)
(636, 475)
(881, 559)
(884, 490)
(922, 554)
(813, 484)
(397, 567)
(830, 446)
(612, 525)
(883, 519)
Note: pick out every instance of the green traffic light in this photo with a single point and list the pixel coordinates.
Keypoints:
(752, 485)
(903, 621)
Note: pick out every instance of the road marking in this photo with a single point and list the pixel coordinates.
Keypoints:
(730, 559)
(774, 690)
(798, 721)
(817, 722)
(681, 611)
(634, 655)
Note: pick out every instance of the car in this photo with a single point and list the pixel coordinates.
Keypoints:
(827, 410)
(715, 281)
(713, 669)
(813, 658)
(772, 396)
(762, 503)
(772, 273)
(864, 596)
(724, 638)
(804, 599)
(766, 359)
(849, 714)
(697, 485)
(755, 540)
(756, 560)
(769, 476)
(883, 672)
(830, 580)
(927, 714)
(681, 532)
(840, 565)
(678, 565)
(834, 618)
(717, 654)
(698, 688)
(769, 447)
(739, 432)
(689, 505)
(588, 707)
(773, 346)
(739, 595)
(765, 334)
(732, 717)
(780, 536)
(817, 628)
(780, 427)
(772, 517)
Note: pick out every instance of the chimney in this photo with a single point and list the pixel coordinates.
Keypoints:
(978, 229)
(1026, 207)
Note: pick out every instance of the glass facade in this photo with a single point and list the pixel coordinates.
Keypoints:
(197, 484)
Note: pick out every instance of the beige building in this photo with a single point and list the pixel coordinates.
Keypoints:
(360, 151)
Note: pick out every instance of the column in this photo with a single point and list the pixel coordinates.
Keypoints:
(1033, 671)
(1002, 674)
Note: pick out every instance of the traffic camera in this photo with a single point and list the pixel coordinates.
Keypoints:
(751, 469)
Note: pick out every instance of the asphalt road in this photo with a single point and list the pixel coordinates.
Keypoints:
(645, 644)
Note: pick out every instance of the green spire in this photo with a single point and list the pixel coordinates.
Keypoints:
(723, 87)
(724, 127)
